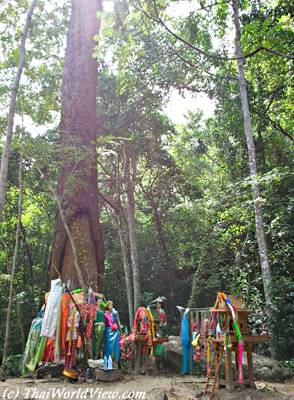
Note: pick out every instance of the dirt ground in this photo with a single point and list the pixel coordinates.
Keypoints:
(173, 387)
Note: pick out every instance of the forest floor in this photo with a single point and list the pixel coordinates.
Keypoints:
(161, 387)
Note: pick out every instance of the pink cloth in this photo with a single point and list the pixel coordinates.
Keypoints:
(109, 320)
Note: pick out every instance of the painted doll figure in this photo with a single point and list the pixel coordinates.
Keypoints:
(71, 338)
(98, 331)
(162, 328)
(112, 333)
(161, 313)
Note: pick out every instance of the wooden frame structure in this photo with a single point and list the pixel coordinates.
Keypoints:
(145, 344)
(226, 343)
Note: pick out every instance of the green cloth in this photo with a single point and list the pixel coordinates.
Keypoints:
(99, 316)
(35, 347)
(159, 350)
(40, 350)
(98, 333)
(98, 338)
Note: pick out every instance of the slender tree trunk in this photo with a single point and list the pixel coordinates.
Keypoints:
(13, 270)
(259, 225)
(195, 285)
(27, 251)
(121, 226)
(122, 233)
(6, 264)
(12, 107)
(19, 320)
(77, 186)
(132, 227)
(165, 258)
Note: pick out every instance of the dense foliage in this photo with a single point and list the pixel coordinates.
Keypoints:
(194, 214)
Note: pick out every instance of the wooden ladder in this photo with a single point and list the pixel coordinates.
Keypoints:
(213, 372)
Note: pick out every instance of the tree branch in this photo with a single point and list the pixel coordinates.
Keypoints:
(280, 128)
(214, 56)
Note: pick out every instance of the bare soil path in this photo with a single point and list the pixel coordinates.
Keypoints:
(174, 387)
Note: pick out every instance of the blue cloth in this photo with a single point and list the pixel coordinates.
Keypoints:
(111, 340)
(186, 342)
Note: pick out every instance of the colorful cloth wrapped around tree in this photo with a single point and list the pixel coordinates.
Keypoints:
(49, 350)
(186, 342)
(65, 302)
(35, 346)
(50, 319)
(88, 314)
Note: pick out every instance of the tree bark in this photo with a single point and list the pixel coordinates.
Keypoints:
(19, 319)
(165, 258)
(132, 227)
(28, 252)
(259, 224)
(77, 185)
(13, 270)
(121, 226)
(12, 107)
(6, 264)
(123, 238)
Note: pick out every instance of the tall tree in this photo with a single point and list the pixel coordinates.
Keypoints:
(259, 223)
(130, 177)
(13, 270)
(12, 107)
(122, 233)
(77, 185)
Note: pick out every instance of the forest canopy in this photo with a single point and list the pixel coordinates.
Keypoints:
(179, 203)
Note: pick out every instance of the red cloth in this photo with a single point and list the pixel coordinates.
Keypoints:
(69, 359)
(162, 315)
(88, 314)
(49, 350)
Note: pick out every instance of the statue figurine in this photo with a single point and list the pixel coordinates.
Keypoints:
(98, 330)
(162, 319)
(112, 333)
(71, 341)
(161, 313)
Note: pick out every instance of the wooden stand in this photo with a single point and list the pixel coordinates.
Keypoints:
(231, 380)
(226, 343)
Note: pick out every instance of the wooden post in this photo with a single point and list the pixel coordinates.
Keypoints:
(250, 365)
(138, 357)
(229, 370)
(216, 361)
(190, 339)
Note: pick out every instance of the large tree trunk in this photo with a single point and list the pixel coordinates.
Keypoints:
(259, 225)
(13, 270)
(77, 186)
(132, 227)
(12, 106)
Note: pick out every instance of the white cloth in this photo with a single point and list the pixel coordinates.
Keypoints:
(52, 307)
